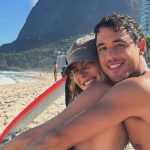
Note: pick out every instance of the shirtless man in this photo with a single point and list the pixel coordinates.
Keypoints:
(121, 46)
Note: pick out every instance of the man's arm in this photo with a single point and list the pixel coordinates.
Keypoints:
(127, 99)
(73, 109)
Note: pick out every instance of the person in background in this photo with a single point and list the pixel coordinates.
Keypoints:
(55, 71)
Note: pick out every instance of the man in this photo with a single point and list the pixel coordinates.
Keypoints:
(121, 48)
(55, 71)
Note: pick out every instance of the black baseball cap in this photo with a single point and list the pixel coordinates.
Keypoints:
(83, 49)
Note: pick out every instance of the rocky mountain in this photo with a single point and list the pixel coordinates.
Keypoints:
(53, 20)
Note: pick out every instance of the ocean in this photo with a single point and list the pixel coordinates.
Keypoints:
(11, 77)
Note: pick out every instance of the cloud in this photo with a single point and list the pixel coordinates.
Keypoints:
(33, 2)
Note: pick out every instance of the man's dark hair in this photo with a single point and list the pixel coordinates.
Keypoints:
(118, 21)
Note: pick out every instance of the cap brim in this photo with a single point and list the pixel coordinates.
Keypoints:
(87, 57)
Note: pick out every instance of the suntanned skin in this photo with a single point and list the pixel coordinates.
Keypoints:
(127, 101)
(114, 138)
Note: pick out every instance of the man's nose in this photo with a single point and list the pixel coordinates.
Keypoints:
(111, 52)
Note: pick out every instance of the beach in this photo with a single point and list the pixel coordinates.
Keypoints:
(15, 97)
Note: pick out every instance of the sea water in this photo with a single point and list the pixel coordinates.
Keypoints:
(11, 77)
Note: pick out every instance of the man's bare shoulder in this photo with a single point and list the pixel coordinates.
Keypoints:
(130, 94)
(135, 83)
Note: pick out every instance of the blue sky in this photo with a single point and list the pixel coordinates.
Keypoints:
(13, 14)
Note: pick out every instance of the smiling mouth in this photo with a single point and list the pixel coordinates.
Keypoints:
(116, 66)
(89, 82)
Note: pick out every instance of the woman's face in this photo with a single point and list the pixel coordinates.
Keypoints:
(86, 73)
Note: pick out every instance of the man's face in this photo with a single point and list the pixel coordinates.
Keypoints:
(118, 54)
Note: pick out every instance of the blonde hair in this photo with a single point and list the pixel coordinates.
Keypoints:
(74, 89)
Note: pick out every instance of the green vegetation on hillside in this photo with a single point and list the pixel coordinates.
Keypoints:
(41, 58)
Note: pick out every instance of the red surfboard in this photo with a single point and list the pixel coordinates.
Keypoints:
(35, 108)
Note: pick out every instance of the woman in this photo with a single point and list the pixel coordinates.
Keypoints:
(84, 70)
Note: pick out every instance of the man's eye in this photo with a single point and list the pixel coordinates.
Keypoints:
(120, 46)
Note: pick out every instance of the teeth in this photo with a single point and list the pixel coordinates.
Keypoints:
(88, 82)
(114, 66)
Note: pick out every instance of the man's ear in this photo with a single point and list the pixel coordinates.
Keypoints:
(142, 46)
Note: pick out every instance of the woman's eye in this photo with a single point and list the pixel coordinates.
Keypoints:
(74, 71)
(85, 64)
(102, 48)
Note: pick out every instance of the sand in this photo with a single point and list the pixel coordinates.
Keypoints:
(15, 97)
